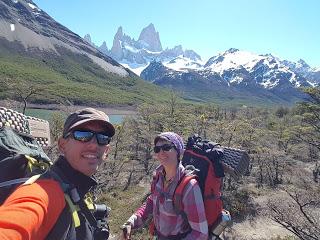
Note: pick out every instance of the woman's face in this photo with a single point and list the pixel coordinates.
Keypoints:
(166, 153)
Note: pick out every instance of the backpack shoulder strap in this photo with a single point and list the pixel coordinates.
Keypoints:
(177, 195)
(71, 194)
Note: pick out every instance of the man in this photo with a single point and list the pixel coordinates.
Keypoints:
(42, 210)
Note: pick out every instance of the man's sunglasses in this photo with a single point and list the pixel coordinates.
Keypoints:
(164, 147)
(86, 136)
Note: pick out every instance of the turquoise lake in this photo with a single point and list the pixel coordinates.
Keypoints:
(46, 114)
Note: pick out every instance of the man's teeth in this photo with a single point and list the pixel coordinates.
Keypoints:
(90, 156)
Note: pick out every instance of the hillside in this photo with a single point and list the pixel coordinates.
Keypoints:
(36, 52)
(70, 78)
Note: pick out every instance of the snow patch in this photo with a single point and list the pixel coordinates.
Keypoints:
(130, 48)
(312, 84)
(236, 79)
(151, 52)
(136, 68)
(234, 60)
(32, 6)
(182, 64)
(12, 27)
(294, 81)
(268, 84)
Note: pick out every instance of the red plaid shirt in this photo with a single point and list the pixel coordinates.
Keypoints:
(167, 222)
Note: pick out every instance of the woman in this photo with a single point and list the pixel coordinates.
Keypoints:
(168, 223)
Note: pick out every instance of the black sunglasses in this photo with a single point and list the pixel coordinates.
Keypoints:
(164, 147)
(87, 135)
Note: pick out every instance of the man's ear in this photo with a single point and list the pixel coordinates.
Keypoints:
(61, 144)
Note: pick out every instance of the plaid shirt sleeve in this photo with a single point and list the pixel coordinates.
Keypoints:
(141, 215)
(194, 209)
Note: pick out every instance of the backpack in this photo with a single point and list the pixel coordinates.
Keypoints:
(205, 158)
(207, 162)
(22, 160)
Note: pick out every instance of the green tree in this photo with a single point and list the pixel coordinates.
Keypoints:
(310, 123)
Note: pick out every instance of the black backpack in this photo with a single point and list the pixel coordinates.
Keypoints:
(233, 161)
(22, 160)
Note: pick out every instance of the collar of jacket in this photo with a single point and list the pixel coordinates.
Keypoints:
(82, 182)
(179, 172)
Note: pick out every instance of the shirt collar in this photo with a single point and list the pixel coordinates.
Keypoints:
(81, 181)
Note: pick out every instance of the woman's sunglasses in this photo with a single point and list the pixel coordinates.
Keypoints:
(86, 136)
(164, 147)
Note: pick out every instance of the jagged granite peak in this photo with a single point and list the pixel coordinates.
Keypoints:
(150, 39)
(172, 53)
(87, 37)
(116, 50)
(119, 34)
(135, 56)
(103, 48)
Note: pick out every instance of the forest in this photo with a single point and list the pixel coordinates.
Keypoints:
(281, 184)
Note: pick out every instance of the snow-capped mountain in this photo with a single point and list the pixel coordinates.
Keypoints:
(302, 68)
(265, 70)
(236, 73)
(137, 54)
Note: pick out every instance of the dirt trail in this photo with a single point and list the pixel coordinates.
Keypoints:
(261, 228)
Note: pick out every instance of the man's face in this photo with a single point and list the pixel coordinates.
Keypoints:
(84, 156)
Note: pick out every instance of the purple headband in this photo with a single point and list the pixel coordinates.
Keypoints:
(172, 137)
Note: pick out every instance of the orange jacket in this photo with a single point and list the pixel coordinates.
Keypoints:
(31, 211)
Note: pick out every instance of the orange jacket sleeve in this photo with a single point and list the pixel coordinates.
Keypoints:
(31, 211)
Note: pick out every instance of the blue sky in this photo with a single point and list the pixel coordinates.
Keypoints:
(289, 29)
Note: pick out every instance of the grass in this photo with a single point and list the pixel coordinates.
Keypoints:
(72, 78)
(123, 204)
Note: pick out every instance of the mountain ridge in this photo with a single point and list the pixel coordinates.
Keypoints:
(236, 68)
(36, 52)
